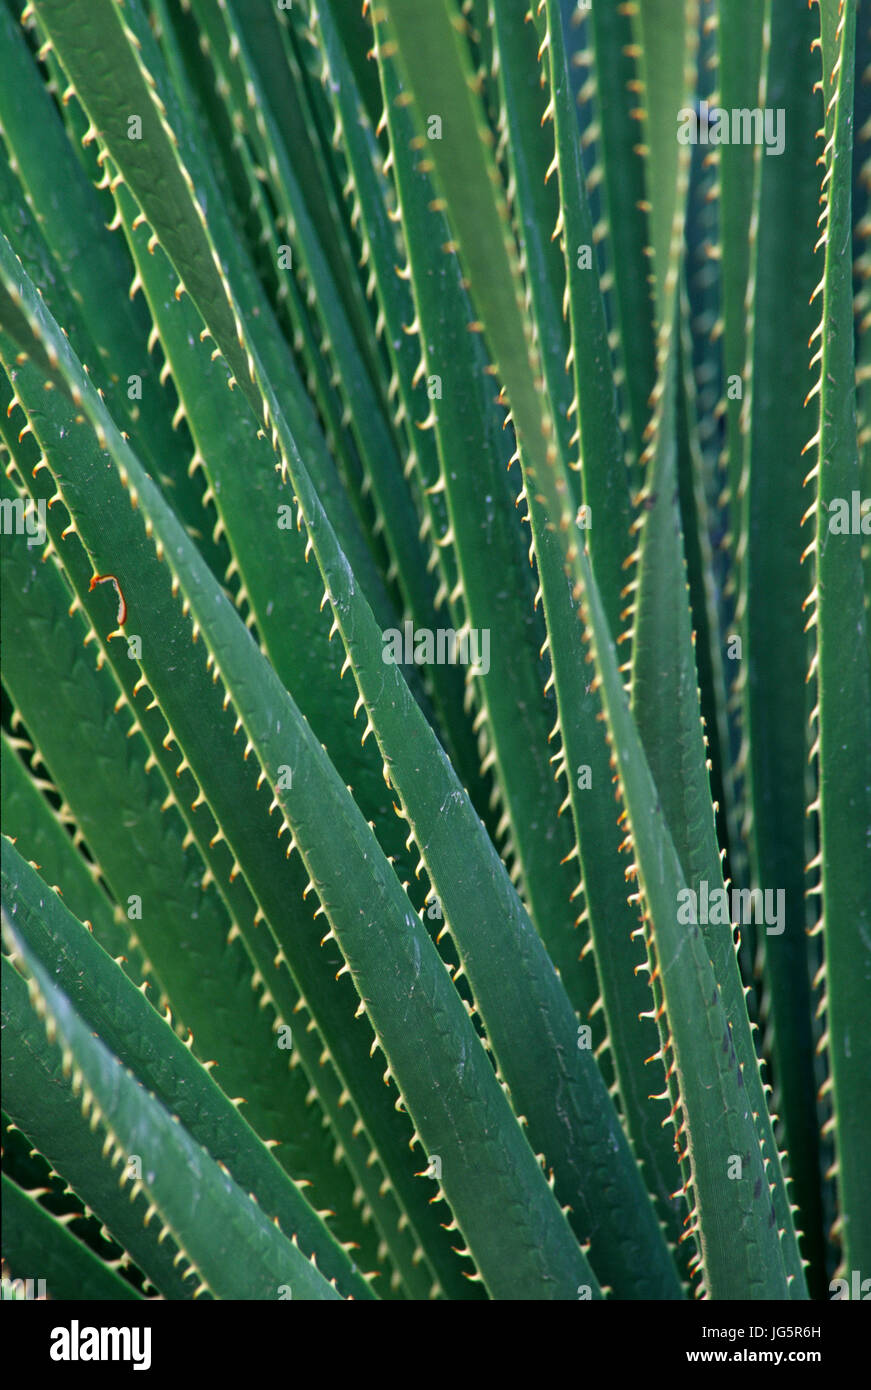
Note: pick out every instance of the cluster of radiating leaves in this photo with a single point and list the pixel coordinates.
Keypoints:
(504, 357)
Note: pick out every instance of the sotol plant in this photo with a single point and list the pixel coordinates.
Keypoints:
(475, 697)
